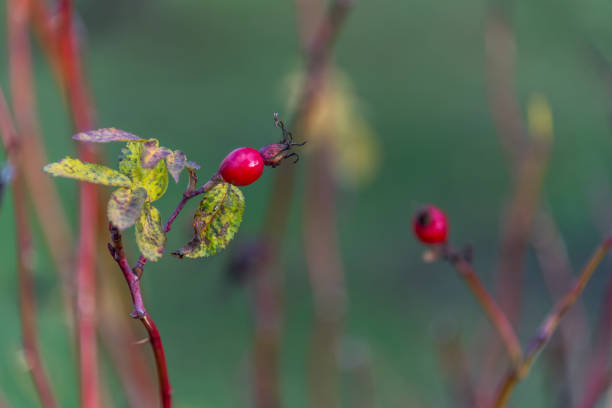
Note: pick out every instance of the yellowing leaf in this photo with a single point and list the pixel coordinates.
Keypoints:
(152, 153)
(106, 135)
(154, 180)
(150, 235)
(93, 173)
(215, 222)
(125, 205)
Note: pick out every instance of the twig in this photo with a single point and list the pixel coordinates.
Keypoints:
(27, 296)
(549, 325)
(551, 253)
(495, 314)
(268, 278)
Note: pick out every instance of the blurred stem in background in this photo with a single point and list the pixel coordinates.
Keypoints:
(323, 259)
(326, 273)
(118, 334)
(268, 276)
(528, 152)
(456, 369)
(549, 326)
(27, 295)
(51, 214)
(82, 115)
(597, 371)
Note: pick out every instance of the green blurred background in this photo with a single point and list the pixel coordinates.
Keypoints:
(205, 77)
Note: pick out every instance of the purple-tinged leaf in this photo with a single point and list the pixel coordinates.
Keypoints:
(175, 162)
(106, 135)
(152, 153)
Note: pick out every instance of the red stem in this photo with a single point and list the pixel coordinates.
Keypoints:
(80, 105)
(160, 360)
(139, 312)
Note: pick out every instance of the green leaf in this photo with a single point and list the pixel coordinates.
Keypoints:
(125, 205)
(93, 173)
(106, 135)
(215, 222)
(150, 235)
(152, 153)
(154, 180)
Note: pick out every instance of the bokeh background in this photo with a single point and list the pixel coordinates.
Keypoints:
(206, 76)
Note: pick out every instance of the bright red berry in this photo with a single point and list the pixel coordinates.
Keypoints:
(242, 166)
(430, 225)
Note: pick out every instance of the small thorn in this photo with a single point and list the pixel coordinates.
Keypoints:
(141, 341)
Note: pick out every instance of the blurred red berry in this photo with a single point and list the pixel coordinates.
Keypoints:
(242, 166)
(430, 225)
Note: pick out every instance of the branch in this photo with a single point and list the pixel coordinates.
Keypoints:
(549, 325)
(495, 314)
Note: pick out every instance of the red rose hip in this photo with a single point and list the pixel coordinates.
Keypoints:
(242, 166)
(430, 225)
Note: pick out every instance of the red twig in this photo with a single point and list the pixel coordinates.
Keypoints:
(160, 359)
(27, 295)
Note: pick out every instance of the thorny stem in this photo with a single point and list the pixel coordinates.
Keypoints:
(27, 296)
(549, 325)
(139, 312)
(495, 314)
